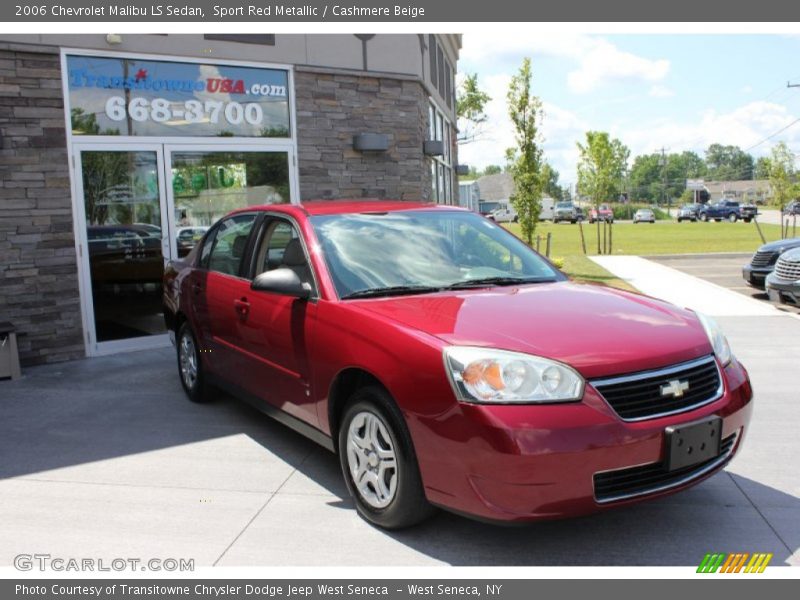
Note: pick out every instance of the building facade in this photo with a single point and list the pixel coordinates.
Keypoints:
(117, 152)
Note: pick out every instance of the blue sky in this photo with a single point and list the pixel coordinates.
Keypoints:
(682, 92)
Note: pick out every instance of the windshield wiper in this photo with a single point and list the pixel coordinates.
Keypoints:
(395, 290)
(490, 281)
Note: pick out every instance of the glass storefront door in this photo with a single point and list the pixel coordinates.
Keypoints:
(144, 204)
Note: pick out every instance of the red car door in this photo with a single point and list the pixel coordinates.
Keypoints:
(220, 291)
(275, 331)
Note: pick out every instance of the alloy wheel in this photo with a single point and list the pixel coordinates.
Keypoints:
(371, 459)
(188, 361)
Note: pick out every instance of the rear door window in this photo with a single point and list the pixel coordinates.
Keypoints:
(229, 244)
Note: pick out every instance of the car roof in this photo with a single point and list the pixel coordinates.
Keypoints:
(333, 207)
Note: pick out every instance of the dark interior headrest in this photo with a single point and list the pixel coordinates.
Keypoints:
(239, 242)
(294, 256)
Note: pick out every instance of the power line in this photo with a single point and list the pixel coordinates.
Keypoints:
(772, 135)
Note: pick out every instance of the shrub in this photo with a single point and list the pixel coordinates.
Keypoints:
(625, 211)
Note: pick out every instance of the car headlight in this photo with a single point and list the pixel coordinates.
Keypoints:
(718, 340)
(485, 375)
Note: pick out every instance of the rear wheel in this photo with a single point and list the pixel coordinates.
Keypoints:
(704, 218)
(190, 367)
(378, 462)
(733, 217)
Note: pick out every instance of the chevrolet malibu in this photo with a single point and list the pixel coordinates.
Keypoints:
(449, 365)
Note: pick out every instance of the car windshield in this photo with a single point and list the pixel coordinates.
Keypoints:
(564, 205)
(422, 251)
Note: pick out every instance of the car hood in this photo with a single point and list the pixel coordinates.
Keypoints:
(597, 330)
(780, 245)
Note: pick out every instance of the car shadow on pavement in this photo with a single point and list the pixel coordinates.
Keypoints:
(64, 422)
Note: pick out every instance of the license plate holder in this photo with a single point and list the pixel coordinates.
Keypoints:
(693, 443)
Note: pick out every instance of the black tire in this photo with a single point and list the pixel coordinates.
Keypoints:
(198, 390)
(733, 217)
(516, 219)
(408, 506)
(704, 218)
(680, 220)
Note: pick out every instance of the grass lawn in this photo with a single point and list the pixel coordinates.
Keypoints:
(646, 239)
(661, 238)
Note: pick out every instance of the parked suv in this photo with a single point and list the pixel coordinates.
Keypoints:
(793, 208)
(763, 261)
(567, 211)
(724, 209)
(688, 212)
(783, 284)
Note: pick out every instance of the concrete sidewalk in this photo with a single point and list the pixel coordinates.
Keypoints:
(684, 290)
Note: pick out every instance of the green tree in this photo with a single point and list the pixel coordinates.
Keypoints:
(782, 174)
(728, 163)
(602, 165)
(549, 178)
(650, 172)
(471, 103)
(525, 160)
(492, 170)
(761, 170)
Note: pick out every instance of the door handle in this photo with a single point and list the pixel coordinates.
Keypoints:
(242, 307)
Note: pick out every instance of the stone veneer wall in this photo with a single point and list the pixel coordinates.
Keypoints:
(332, 108)
(38, 264)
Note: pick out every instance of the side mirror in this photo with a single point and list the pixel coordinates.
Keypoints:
(281, 281)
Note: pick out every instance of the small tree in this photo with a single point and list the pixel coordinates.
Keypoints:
(601, 169)
(781, 172)
(471, 109)
(525, 160)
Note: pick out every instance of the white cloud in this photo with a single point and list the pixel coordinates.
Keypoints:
(598, 61)
(747, 89)
(560, 130)
(661, 91)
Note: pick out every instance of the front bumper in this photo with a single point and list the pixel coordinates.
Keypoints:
(756, 276)
(524, 463)
(782, 290)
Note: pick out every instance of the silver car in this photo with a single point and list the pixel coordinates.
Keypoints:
(644, 215)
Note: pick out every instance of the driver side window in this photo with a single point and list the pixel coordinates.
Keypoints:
(281, 248)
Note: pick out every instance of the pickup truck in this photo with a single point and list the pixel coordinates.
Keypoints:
(727, 209)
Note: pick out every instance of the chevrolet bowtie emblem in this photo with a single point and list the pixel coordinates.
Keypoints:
(674, 388)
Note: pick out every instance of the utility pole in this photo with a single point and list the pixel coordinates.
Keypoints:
(663, 164)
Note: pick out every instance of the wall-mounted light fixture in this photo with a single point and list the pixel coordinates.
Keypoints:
(462, 170)
(371, 142)
(433, 148)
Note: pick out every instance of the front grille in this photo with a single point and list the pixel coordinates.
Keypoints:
(788, 269)
(763, 258)
(639, 396)
(622, 484)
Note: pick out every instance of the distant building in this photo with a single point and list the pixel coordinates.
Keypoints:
(496, 188)
(755, 190)
(469, 195)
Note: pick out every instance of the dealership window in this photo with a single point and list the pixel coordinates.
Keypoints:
(440, 129)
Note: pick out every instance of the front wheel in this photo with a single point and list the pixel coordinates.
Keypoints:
(378, 462)
(747, 220)
(190, 367)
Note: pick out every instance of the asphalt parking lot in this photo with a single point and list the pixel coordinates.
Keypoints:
(721, 269)
(106, 458)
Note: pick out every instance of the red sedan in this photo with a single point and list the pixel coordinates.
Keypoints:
(450, 365)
